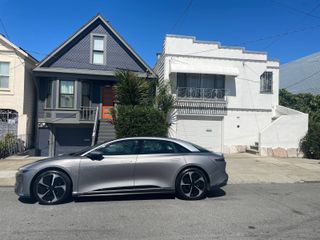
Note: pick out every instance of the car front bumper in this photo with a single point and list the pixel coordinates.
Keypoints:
(22, 185)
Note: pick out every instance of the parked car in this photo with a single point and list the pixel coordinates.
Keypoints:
(125, 166)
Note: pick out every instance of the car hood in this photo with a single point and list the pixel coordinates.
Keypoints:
(52, 160)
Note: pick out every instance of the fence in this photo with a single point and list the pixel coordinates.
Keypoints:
(11, 144)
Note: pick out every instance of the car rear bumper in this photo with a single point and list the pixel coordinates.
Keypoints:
(220, 182)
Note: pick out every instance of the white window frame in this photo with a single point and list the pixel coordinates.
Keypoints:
(92, 50)
(8, 88)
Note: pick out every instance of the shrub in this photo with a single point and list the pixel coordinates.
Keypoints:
(135, 121)
(307, 103)
(8, 145)
(310, 144)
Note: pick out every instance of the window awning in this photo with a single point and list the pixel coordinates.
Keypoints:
(203, 69)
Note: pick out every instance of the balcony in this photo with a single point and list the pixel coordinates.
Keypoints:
(81, 115)
(201, 101)
(201, 94)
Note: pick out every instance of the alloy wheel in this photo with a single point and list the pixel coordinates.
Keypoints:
(51, 187)
(192, 184)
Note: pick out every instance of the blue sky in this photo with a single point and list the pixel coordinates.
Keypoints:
(40, 26)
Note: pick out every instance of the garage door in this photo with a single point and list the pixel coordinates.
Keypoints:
(70, 139)
(203, 131)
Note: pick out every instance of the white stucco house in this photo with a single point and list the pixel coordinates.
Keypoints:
(227, 98)
(17, 91)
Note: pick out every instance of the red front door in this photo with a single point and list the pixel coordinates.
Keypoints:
(107, 102)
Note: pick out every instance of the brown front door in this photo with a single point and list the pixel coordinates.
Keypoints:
(107, 102)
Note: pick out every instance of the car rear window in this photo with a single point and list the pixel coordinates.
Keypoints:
(201, 149)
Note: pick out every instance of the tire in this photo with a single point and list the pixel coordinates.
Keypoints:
(191, 184)
(51, 187)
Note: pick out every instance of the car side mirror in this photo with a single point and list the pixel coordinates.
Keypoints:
(95, 155)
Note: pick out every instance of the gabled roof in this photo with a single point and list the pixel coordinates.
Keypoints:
(82, 29)
(17, 50)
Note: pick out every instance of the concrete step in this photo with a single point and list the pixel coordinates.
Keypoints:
(252, 151)
(254, 147)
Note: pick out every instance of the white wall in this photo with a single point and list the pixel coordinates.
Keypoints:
(286, 131)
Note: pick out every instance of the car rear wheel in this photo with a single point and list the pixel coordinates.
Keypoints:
(52, 187)
(191, 184)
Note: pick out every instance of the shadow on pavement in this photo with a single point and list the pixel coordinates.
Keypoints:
(213, 194)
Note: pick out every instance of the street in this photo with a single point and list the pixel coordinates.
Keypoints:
(239, 211)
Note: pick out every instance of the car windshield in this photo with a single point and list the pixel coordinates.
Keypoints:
(82, 151)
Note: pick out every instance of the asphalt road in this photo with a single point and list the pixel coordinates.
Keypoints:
(251, 211)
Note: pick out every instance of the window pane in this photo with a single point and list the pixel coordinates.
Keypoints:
(98, 43)
(66, 101)
(121, 148)
(4, 82)
(4, 69)
(97, 58)
(66, 87)
(49, 89)
(154, 146)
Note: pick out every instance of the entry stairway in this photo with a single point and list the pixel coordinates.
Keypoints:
(105, 132)
(253, 149)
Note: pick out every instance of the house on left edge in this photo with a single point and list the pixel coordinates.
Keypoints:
(17, 93)
(75, 87)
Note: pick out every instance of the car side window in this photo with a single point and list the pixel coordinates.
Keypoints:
(157, 147)
(120, 148)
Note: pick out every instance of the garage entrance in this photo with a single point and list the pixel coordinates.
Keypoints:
(205, 131)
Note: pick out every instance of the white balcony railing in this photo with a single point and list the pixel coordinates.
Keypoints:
(207, 94)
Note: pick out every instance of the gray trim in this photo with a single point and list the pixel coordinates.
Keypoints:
(219, 58)
(216, 43)
(198, 117)
(249, 109)
(272, 67)
(82, 71)
(92, 35)
(97, 17)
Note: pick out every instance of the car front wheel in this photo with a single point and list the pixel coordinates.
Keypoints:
(52, 187)
(191, 184)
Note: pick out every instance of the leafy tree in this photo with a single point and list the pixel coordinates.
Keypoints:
(139, 111)
(132, 90)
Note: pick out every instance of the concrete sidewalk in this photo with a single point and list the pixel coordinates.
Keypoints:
(249, 168)
(242, 168)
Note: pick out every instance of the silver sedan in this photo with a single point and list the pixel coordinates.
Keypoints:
(125, 166)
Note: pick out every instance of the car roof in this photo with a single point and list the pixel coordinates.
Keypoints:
(183, 143)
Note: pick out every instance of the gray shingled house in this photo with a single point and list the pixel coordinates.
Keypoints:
(301, 75)
(75, 93)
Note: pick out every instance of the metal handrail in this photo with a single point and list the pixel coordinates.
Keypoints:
(201, 93)
(95, 126)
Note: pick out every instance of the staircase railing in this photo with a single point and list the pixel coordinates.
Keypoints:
(95, 126)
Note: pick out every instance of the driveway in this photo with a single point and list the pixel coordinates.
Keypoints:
(242, 168)
(249, 168)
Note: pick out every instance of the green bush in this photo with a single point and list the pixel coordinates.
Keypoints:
(307, 103)
(138, 121)
(6, 145)
(310, 144)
